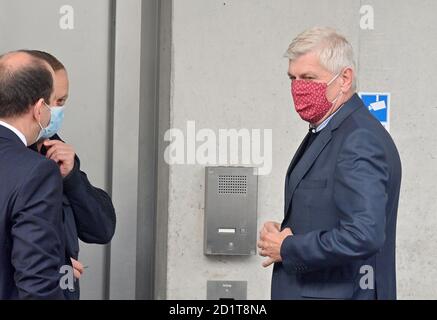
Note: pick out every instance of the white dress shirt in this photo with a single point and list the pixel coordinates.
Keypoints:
(323, 125)
(15, 130)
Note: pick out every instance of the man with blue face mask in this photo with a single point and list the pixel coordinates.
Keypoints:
(31, 232)
(87, 211)
(55, 124)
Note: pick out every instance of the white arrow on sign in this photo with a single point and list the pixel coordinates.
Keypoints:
(379, 105)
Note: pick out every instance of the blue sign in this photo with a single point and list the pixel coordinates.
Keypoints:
(379, 105)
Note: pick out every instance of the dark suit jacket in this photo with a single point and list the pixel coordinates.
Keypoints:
(87, 213)
(341, 202)
(31, 242)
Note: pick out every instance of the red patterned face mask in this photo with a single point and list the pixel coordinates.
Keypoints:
(310, 99)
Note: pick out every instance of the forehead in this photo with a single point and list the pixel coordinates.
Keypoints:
(307, 63)
(61, 85)
(61, 77)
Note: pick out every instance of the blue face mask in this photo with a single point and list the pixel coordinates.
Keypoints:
(56, 120)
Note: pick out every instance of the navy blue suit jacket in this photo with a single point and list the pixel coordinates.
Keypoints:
(87, 214)
(341, 202)
(31, 241)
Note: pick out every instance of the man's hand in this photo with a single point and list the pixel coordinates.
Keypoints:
(272, 226)
(270, 242)
(62, 153)
(78, 268)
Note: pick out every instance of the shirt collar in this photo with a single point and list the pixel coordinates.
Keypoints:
(16, 131)
(323, 125)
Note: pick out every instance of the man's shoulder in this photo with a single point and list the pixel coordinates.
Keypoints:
(363, 131)
(363, 121)
(21, 161)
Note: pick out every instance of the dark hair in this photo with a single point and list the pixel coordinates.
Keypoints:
(47, 57)
(23, 86)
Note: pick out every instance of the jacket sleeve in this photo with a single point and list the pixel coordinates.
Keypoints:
(93, 209)
(37, 244)
(360, 195)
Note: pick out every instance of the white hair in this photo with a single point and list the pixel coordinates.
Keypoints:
(334, 51)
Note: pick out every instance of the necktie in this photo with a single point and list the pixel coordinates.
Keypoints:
(308, 142)
(312, 137)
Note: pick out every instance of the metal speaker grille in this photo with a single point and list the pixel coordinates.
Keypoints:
(235, 185)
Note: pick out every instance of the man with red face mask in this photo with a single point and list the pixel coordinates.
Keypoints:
(337, 239)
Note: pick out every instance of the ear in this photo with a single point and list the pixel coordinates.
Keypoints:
(37, 109)
(347, 78)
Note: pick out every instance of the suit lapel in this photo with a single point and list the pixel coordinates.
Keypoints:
(293, 163)
(305, 164)
(295, 158)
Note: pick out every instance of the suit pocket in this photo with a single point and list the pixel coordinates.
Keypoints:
(328, 290)
(329, 283)
(313, 184)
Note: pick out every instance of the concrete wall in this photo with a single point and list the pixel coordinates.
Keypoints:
(134, 143)
(228, 72)
(399, 58)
